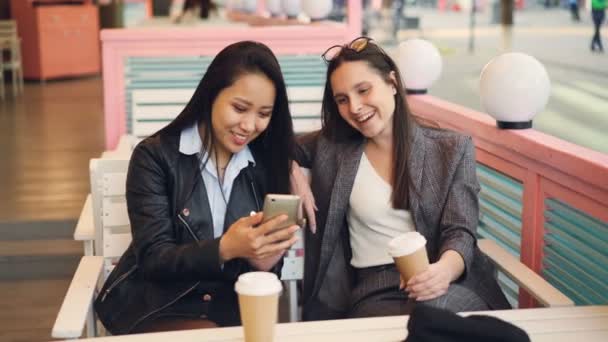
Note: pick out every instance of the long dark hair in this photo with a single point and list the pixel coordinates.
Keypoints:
(337, 129)
(275, 145)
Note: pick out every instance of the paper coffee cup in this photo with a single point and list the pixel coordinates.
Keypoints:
(259, 302)
(409, 252)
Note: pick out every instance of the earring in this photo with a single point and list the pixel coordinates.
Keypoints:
(394, 91)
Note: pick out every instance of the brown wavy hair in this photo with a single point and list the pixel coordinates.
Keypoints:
(337, 129)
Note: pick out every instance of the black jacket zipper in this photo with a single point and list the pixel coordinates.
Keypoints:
(180, 295)
(162, 307)
(188, 226)
(117, 281)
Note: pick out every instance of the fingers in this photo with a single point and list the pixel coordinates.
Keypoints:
(427, 286)
(273, 249)
(251, 220)
(310, 207)
(271, 255)
(421, 277)
(269, 225)
(280, 235)
(431, 295)
(422, 281)
(300, 185)
(401, 283)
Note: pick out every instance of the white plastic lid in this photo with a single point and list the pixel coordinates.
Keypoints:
(406, 244)
(258, 284)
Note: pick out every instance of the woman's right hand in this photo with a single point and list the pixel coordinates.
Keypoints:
(300, 185)
(245, 239)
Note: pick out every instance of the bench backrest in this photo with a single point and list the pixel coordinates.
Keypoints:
(112, 226)
(159, 88)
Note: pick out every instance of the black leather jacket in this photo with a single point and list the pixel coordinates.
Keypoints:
(174, 257)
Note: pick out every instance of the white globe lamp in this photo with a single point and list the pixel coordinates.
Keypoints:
(317, 9)
(274, 7)
(514, 87)
(235, 5)
(291, 8)
(420, 65)
(249, 6)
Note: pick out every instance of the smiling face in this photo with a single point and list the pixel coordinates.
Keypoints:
(241, 112)
(365, 100)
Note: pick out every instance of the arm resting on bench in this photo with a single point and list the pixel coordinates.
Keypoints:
(78, 301)
(535, 285)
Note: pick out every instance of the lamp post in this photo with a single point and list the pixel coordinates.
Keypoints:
(514, 87)
(472, 26)
(420, 65)
(506, 20)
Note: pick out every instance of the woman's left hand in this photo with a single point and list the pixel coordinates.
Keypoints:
(429, 284)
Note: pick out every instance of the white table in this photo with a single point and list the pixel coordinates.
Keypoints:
(582, 324)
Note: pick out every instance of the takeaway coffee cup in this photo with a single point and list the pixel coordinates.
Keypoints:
(258, 301)
(409, 252)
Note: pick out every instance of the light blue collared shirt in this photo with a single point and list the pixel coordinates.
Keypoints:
(190, 143)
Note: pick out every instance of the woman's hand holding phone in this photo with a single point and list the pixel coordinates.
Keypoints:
(250, 238)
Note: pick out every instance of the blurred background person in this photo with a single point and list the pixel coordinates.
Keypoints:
(573, 4)
(598, 14)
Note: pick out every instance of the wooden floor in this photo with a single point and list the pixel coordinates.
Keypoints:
(47, 136)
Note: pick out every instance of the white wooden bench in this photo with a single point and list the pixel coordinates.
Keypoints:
(152, 109)
(158, 88)
(104, 228)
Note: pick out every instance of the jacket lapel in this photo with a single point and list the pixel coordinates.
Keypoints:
(242, 200)
(340, 196)
(416, 168)
(193, 198)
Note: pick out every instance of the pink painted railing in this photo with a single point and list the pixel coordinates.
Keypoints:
(548, 167)
(118, 44)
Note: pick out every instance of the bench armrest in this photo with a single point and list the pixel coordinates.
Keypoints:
(78, 301)
(125, 144)
(85, 227)
(535, 285)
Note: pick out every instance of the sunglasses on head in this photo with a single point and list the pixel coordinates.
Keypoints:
(357, 45)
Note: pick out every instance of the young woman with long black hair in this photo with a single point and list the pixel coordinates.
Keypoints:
(190, 190)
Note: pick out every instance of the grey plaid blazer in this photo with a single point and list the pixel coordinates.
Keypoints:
(445, 211)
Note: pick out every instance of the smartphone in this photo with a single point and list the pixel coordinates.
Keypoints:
(279, 204)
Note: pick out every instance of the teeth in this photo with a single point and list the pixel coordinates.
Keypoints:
(365, 117)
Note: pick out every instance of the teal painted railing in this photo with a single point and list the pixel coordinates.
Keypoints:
(185, 72)
(576, 253)
(500, 211)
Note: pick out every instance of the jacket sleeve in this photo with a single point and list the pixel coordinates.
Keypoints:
(158, 254)
(306, 145)
(460, 214)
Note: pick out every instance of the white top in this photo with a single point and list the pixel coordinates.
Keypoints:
(190, 143)
(372, 221)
